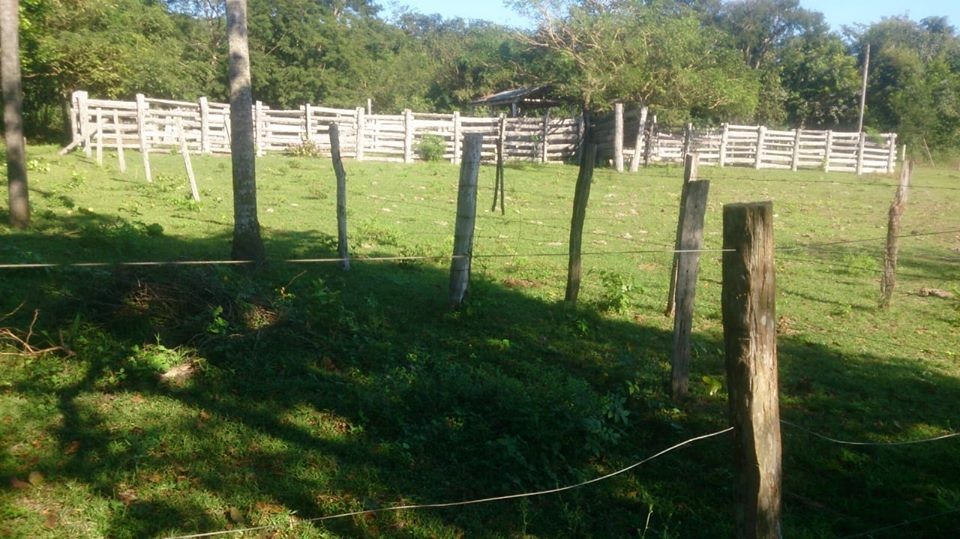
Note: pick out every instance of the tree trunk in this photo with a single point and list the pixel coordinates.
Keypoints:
(247, 244)
(12, 114)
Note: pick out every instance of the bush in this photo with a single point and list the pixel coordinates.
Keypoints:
(431, 148)
(307, 148)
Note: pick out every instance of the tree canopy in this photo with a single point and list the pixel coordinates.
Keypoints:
(705, 61)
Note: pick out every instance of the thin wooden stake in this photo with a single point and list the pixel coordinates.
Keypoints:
(580, 198)
(618, 137)
(691, 241)
(142, 132)
(638, 145)
(121, 159)
(748, 302)
(690, 165)
(466, 218)
(99, 135)
(342, 249)
(186, 161)
(889, 280)
(498, 187)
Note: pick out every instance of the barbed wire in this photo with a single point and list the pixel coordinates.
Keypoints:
(870, 444)
(469, 502)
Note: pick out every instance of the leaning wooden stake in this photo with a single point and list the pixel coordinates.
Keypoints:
(691, 241)
(498, 188)
(466, 218)
(690, 165)
(580, 198)
(121, 160)
(889, 280)
(750, 343)
(186, 161)
(342, 249)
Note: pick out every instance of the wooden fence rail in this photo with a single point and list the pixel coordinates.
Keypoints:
(147, 124)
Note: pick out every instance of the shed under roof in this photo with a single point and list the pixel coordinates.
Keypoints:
(535, 97)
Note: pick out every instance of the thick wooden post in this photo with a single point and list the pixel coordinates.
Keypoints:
(580, 198)
(407, 136)
(638, 145)
(142, 135)
(99, 135)
(827, 152)
(891, 153)
(121, 159)
(795, 160)
(889, 280)
(342, 249)
(466, 218)
(544, 136)
(690, 165)
(618, 137)
(750, 342)
(724, 139)
(761, 135)
(861, 144)
(186, 161)
(361, 131)
(457, 143)
(691, 241)
(205, 146)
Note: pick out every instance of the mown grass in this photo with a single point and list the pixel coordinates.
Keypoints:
(307, 391)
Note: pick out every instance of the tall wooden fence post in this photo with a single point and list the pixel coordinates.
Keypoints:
(580, 198)
(259, 122)
(466, 218)
(861, 144)
(639, 144)
(142, 134)
(407, 136)
(724, 139)
(795, 157)
(828, 152)
(342, 249)
(889, 280)
(206, 147)
(361, 131)
(457, 137)
(761, 136)
(690, 165)
(687, 140)
(618, 137)
(891, 153)
(750, 342)
(121, 159)
(85, 134)
(691, 241)
(545, 136)
(99, 135)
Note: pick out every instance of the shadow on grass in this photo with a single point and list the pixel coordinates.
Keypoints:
(312, 391)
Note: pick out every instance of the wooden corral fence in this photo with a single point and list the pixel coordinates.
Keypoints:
(150, 124)
(745, 145)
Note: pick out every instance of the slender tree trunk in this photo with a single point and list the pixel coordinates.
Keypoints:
(247, 244)
(12, 114)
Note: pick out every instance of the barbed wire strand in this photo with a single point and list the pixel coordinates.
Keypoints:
(469, 502)
(867, 240)
(902, 524)
(870, 444)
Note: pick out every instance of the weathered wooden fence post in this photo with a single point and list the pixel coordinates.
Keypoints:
(545, 136)
(618, 137)
(691, 241)
(750, 342)
(99, 135)
(889, 280)
(891, 153)
(76, 137)
(84, 107)
(456, 137)
(205, 145)
(761, 135)
(121, 159)
(724, 139)
(466, 218)
(498, 186)
(361, 131)
(690, 165)
(580, 198)
(795, 159)
(259, 121)
(307, 123)
(142, 133)
(651, 141)
(639, 144)
(861, 144)
(687, 140)
(342, 249)
(827, 152)
(186, 161)
(407, 136)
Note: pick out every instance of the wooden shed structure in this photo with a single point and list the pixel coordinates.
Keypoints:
(519, 99)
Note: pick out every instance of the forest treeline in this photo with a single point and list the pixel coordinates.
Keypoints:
(704, 61)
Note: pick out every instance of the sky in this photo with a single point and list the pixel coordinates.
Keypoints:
(837, 12)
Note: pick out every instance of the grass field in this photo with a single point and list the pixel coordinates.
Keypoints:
(188, 399)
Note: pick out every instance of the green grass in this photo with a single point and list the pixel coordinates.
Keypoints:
(309, 391)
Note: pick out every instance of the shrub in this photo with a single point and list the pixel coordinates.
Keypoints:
(431, 148)
(307, 148)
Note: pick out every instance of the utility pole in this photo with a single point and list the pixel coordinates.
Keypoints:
(863, 89)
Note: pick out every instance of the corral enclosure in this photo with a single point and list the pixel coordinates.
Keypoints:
(318, 391)
(153, 123)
